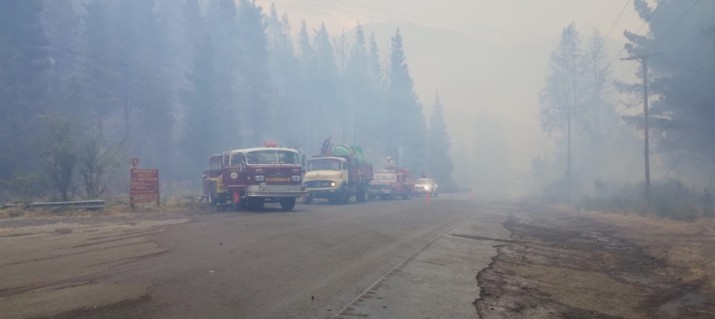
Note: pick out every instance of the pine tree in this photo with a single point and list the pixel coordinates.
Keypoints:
(253, 69)
(304, 97)
(101, 75)
(681, 66)
(285, 75)
(144, 65)
(222, 30)
(375, 121)
(440, 165)
(406, 129)
(325, 85)
(563, 98)
(357, 89)
(202, 134)
(24, 83)
(63, 25)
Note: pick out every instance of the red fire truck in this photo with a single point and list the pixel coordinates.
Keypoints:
(251, 177)
(391, 183)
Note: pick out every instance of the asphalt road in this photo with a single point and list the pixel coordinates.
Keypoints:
(319, 261)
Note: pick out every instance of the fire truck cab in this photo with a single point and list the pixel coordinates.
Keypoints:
(251, 177)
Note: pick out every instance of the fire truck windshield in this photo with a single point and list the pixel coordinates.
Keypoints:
(272, 157)
(325, 164)
(385, 177)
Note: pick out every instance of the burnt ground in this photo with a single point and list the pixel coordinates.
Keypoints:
(576, 266)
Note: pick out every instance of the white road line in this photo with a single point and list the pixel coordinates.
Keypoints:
(408, 259)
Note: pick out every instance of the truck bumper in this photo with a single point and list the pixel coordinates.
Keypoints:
(322, 192)
(276, 191)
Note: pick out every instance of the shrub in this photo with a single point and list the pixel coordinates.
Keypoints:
(669, 199)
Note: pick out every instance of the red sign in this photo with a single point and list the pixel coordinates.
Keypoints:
(144, 186)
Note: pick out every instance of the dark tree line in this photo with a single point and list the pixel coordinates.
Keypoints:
(595, 143)
(87, 84)
(681, 59)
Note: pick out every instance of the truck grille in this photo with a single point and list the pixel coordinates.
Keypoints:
(317, 184)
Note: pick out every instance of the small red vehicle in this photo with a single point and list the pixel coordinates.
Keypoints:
(249, 178)
(390, 184)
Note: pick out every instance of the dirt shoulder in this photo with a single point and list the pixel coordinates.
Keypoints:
(591, 265)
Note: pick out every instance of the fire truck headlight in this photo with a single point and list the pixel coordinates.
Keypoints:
(332, 184)
(260, 178)
(295, 178)
(234, 175)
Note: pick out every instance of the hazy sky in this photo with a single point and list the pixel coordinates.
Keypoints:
(482, 56)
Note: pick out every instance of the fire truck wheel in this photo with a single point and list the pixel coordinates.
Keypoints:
(361, 197)
(334, 199)
(255, 203)
(287, 203)
(345, 198)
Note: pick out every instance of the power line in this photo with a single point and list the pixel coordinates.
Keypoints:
(451, 23)
(647, 20)
(672, 27)
(378, 19)
(598, 49)
(454, 34)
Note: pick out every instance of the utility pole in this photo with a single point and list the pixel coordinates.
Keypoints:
(569, 112)
(646, 154)
(126, 106)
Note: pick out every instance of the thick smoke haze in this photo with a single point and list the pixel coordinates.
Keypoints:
(534, 98)
(485, 59)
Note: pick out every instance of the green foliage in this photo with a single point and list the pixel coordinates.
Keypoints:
(681, 73)
(24, 84)
(171, 85)
(440, 165)
(578, 112)
(61, 155)
(26, 187)
(96, 161)
(406, 132)
(253, 69)
(670, 199)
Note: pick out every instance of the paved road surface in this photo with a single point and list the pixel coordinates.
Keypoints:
(380, 259)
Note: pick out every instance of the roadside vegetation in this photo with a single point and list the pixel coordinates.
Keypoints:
(597, 121)
(89, 84)
(116, 206)
(669, 199)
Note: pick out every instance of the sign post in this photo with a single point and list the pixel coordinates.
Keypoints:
(143, 185)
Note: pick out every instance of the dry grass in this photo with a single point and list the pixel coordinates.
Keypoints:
(686, 245)
(116, 206)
